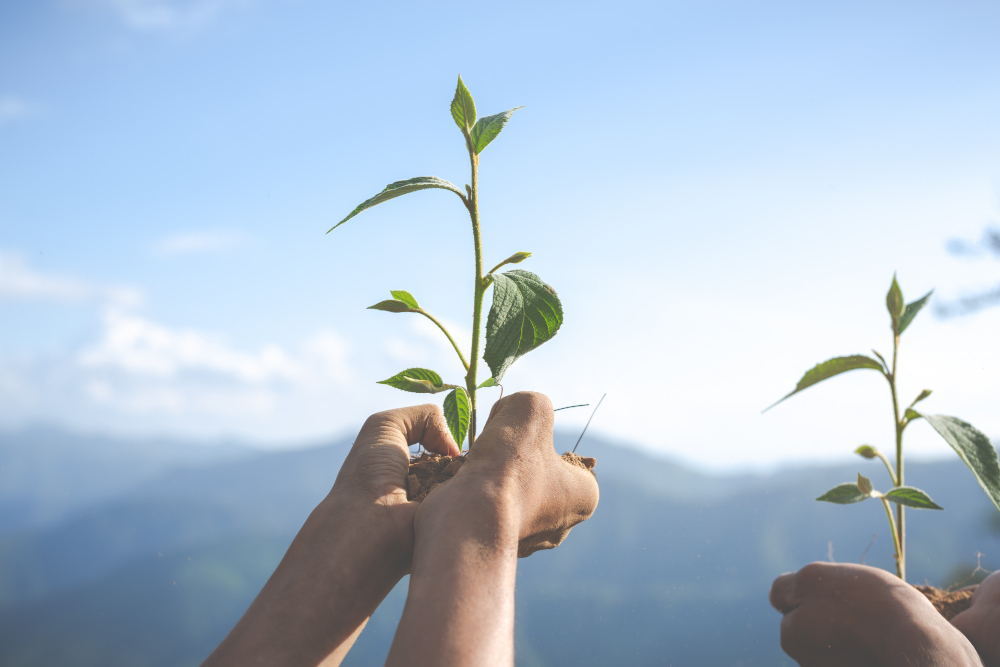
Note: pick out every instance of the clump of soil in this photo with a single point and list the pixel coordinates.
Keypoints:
(428, 470)
(948, 603)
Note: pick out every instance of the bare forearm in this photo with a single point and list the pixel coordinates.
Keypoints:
(460, 608)
(334, 575)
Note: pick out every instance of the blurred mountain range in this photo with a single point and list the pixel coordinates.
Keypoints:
(146, 552)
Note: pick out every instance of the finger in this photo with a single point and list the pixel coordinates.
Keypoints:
(408, 426)
(526, 414)
(783, 592)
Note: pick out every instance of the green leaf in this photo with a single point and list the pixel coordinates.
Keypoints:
(392, 306)
(488, 127)
(487, 383)
(911, 414)
(894, 302)
(828, 369)
(463, 108)
(405, 297)
(418, 381)
(525, 313)
(865, 485)
(516, 258)
(911, 311)
(912, 497)
(456, 412)
(844, 494)
(974, 448)
(398, 189)
(866, 451)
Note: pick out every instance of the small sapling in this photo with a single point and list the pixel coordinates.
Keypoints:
(972, 446)
(525, 312)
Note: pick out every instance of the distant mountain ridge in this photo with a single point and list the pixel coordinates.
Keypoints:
(673, 568)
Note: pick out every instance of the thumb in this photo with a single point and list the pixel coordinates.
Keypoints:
(408, 426)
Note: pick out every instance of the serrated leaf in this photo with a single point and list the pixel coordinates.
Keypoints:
(974, 448)
(866, 451)
(392, 306)
(865, 485)
(418, 381)
(487, 383)
(894, 301)
(828, 369)
(912, 497)
(405, 297)
(456, 413)
(463, 107)
(525, 313)
(911, 311)
(843, 494)
(398, 189)
(487, 128)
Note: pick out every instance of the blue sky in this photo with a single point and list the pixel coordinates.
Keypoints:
(719, 191)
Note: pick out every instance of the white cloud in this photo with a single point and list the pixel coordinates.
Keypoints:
(19, 281)
(14, 108)
(194, 242)
(168, 14)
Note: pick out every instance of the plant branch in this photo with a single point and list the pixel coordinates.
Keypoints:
(888, 466)
(445, 332)
(480, 289)
(900, 525)
(900, 565)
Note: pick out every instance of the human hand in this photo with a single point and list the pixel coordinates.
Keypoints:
(513, 470)
(845, 614)
(980, 623)
(371, 484)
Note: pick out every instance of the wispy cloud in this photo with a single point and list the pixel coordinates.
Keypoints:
(13, 108)
(150, 15)
(195, 242)
(18, 280)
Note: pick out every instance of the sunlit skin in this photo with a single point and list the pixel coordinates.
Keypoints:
(514, 495)
(837, 614)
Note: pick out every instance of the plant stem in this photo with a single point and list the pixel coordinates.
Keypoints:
(477, 312)
(445, 332)
(888, 466)
(900, 516)
(900, 566)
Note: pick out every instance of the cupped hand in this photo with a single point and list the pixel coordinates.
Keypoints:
(372, 481)
(844, 614)
(513, 469)
(980, 623)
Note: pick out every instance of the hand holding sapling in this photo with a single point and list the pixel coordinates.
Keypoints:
(972, 446)
(525, 312)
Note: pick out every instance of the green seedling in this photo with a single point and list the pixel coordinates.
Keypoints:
(525, 312)
(972, 446)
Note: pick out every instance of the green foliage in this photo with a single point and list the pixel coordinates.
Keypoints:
(463, 107)
(828, 369)
(418, 381)
(398, 189)
(972, 447)
(456, 413)
(525, 313)
(912, 497)
(911, 311)
(487, 128)
(844, 494)
(405, 297)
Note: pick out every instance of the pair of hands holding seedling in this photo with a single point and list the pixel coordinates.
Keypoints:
(513, 496)
(844, 614)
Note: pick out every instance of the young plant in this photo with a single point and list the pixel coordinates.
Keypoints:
(525, 312)
(972, 447)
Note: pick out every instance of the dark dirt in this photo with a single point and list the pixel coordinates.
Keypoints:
(428, 470)
(948, 603)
